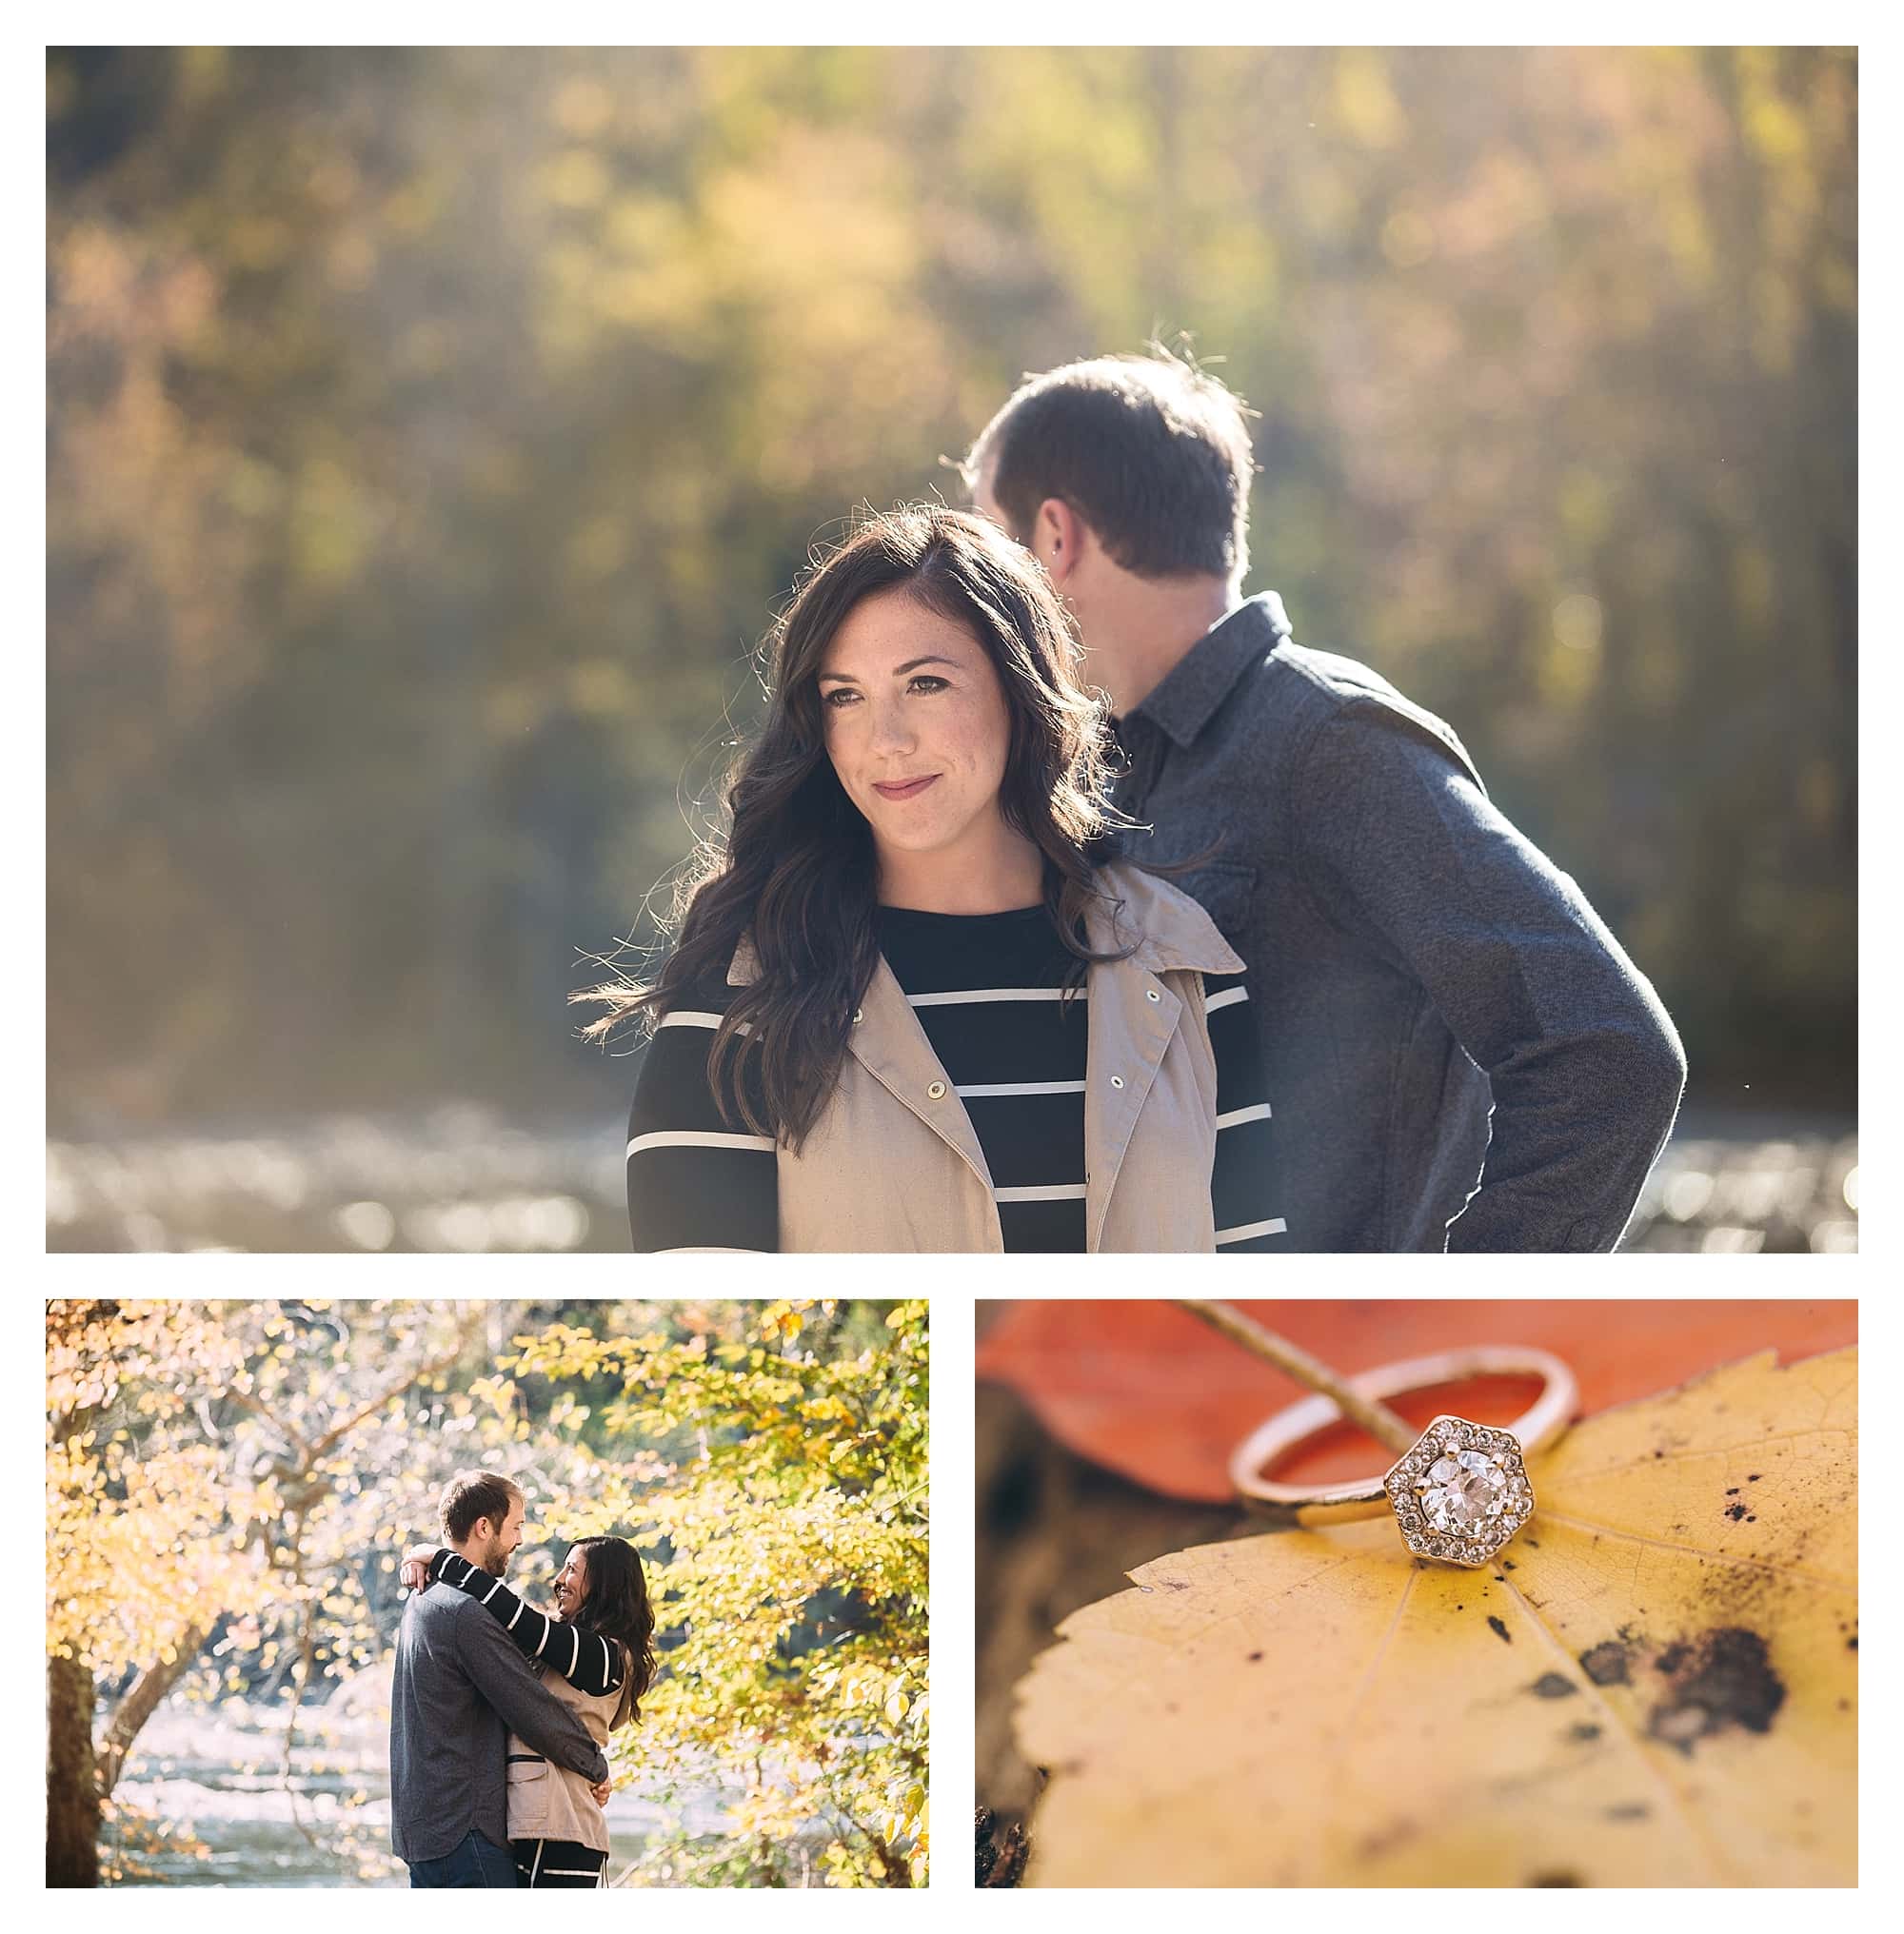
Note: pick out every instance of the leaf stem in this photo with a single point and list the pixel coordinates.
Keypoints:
(1364, 1412)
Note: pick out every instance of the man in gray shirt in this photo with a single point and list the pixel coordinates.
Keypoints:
(1458, 1055)
(461, 1687)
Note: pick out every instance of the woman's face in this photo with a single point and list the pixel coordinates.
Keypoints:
(571, 1584)
(917, 729)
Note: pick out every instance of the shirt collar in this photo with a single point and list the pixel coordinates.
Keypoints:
(1147, 916)
(1187, 698)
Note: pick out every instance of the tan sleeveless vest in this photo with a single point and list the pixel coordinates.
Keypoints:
(893, 1164)
(547, 1802)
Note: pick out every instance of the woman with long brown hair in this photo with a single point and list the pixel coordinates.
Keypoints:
(596, 1654)
(914, 1002)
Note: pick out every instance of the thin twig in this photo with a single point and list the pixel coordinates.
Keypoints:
(1364, 1412)
(299, 1678)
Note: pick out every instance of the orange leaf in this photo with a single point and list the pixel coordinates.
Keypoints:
(1156, 1396)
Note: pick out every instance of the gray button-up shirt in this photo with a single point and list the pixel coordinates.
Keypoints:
(1415, 964)
(459, 1688)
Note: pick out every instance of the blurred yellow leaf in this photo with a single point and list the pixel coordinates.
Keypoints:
(1657, 1687)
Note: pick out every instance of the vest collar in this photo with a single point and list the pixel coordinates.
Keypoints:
(1171, 931)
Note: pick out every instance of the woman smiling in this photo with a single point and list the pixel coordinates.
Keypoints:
(913, 1004)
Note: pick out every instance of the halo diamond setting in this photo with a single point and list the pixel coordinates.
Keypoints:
(1462, 1493)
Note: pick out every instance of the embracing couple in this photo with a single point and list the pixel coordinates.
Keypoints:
(1067, 903)
(499, 1713)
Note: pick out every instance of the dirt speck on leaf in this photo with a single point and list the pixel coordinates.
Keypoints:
(1499, 1630)
(1398, 1832)
(1552, 1685)
(1722, 1678)
(1606, 1664)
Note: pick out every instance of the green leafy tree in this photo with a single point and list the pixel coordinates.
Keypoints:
(790, 1518)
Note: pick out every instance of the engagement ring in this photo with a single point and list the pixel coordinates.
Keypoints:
(1460, 1491)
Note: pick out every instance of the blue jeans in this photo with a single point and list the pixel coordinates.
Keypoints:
(473, 1862)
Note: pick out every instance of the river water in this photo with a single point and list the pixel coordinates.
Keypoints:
(215, 1773)
(462, 1179)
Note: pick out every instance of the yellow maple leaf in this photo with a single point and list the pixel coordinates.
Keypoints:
(1653, 1684)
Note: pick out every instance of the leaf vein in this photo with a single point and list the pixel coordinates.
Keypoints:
(1709, 1450)
(1699, 1551)
(1350, 1734)
(1625, 1731)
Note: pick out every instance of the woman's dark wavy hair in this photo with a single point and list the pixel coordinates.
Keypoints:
(616, 1605)
(796, 873)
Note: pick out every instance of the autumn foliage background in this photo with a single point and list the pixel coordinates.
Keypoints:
(230, 1486)
(434, 431)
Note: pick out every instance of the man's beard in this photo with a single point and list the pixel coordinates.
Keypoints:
(496, 1561)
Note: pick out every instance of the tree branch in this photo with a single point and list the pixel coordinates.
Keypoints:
(141, 1701)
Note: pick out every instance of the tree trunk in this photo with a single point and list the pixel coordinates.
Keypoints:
(73, 1789)
(141, 1701)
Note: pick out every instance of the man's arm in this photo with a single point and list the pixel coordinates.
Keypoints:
(503, 1677)
(1402, 847)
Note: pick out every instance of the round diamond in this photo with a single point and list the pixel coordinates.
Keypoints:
(1465, 1489)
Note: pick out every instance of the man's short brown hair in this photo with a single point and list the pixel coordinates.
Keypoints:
(1151, 451)
(472, 1494)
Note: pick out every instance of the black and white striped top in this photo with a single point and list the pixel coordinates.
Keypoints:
(589, 1661)
(989, 991)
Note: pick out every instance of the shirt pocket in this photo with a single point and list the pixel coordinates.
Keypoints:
(1223, 888)
(524, 1768)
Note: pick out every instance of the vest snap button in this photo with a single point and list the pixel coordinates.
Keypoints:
(1151, 994)
(859, 1014)
(1116, 1080)
(937, 1090)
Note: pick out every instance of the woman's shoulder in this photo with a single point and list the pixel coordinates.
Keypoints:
(704, 997)
(1162, 925)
